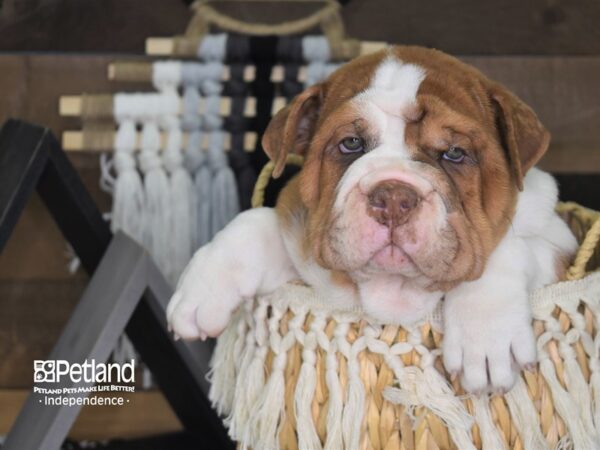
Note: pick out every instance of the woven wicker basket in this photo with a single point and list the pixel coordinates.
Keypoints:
(291, 373)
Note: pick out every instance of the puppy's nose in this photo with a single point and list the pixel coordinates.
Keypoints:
(391, 202)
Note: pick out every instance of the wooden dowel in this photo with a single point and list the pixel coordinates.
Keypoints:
(166, 47)
(142, 72)
(73, 105)
(98, 141)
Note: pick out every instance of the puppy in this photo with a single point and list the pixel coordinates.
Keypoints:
(418, 185)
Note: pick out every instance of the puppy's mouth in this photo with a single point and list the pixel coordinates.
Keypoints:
(392, 258)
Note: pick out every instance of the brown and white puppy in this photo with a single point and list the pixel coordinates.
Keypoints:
(417, 185)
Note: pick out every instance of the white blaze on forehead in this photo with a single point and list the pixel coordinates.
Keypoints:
(394, 86)
(392, 92)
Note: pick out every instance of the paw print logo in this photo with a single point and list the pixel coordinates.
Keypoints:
(44, 371)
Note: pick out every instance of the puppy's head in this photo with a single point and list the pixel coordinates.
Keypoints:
(413, 161)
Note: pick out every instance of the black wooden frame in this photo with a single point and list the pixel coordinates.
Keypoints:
(31, 159)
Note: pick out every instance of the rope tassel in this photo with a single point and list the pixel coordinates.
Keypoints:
(128, 193)
(157, 211)
(224, 197)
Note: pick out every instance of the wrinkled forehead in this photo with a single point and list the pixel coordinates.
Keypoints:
(392, 91)
(400, 79)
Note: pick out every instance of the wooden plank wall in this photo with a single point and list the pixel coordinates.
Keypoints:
(548, 52)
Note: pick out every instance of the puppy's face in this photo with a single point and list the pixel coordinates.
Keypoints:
(413, 163)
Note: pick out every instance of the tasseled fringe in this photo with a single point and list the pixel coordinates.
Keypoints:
(128, 193)
(166, 76)
(425, 386)
(575, 381)
(182, 197)
(197, 161)
(191, 121)
(490, 436)
(222, 388)
(354, 409)
(335, 438)
(205, 77)
(224, 197)
(305, 389)
(266, 413)
(563, 402)
(257, 404)
(248, 387)
(157, 211)
(526, 418)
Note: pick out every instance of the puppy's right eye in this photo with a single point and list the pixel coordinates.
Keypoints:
(352, 145)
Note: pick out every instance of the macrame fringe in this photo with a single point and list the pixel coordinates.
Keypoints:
(259, 401)
(525, 416)
(305, 390)
(182, 197)
(128, 194)
(247, 389)
(157, 209)
(490, 437)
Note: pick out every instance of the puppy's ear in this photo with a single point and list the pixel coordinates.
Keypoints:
(291, 129)
(523, 136)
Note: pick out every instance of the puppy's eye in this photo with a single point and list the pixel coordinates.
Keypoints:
(352, 145)
(454, 154)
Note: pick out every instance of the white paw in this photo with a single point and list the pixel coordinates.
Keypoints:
(486, 346)
(204, 299)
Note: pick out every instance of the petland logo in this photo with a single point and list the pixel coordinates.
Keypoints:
(53, 371)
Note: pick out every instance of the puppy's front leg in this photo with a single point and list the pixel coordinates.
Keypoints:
(245, 259)
(488, 324)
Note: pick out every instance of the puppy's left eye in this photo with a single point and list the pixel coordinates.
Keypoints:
(352, 145)
(454, 154)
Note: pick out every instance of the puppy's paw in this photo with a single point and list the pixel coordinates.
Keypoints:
(204, 300)
(487, 348)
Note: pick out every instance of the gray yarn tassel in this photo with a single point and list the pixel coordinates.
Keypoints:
(316, 52)
(197, 163)
(224, 197)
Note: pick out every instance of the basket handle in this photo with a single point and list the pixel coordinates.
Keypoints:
(585, 252)
(328, 18)
(258, 196)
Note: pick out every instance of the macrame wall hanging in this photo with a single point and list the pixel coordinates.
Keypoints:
(172, 182)
(167, 77)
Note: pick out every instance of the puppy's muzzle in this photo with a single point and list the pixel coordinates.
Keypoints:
(392, 202)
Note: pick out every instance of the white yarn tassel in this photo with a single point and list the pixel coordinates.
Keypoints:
(575, 381)
(354, 410)
(266, 415)
(227, 351)
(525, 417)
(305, 389)
(128, 200)
(490, 437)
(224, 197)
(334, 386)
(425, 386)
(182, 197)
(157, 211)
(248, 388)
(563, 402)
(166, 76)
